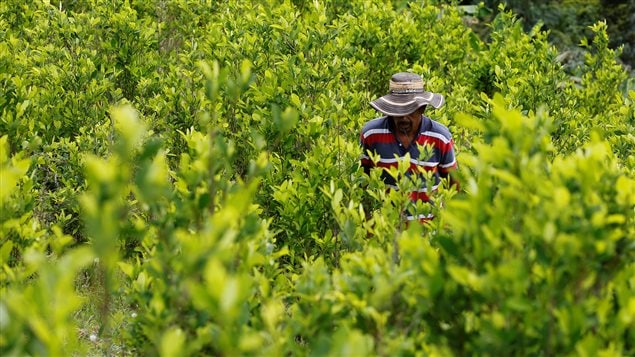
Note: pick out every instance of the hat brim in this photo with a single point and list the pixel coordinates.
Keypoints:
(400, 104)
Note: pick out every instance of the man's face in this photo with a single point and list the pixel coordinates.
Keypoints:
(408, 123)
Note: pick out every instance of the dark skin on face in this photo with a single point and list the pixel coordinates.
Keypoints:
(408, 125)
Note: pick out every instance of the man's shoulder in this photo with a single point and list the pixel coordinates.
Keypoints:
(377, 123)
(438, 128)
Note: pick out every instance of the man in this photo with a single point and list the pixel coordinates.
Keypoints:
(405, 130)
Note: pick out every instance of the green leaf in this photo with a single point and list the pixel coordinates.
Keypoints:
(172, 342)
(5, 252)
(126, 269)
(469, 121)
(625, 188)
(132, 129)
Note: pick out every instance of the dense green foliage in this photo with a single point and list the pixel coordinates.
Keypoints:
(181, 177)
(568, 22)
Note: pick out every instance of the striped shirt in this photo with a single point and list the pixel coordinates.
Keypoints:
(432, 151)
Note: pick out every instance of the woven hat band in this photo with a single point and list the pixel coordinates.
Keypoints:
(405, 87)
(405, 91)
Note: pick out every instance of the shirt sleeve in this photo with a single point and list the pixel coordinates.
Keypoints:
(365, 160)
(448, 159)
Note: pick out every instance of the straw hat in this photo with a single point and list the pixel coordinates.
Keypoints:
(406, 94)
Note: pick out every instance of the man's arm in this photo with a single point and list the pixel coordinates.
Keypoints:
(448, 165)
(452, 179)
(365, 160)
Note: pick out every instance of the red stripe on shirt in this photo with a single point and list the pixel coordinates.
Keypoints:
(387, 164)
(367, 162)
(414, 196)
(385, 138)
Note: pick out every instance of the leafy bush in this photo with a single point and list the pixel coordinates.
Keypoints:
(182, 178)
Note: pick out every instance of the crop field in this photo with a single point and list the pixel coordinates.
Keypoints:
(182, 178)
